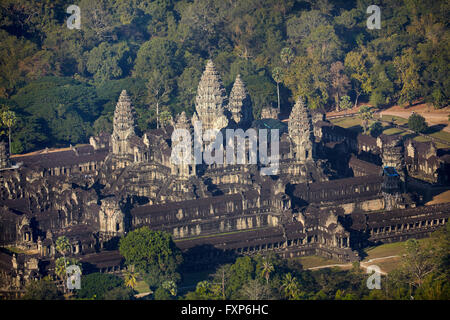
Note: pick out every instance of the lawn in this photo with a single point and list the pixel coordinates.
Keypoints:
(354, 123)
(347, 122)
(441, 135)
(389, 265)
(392, 131)
(438, 144)
(385, 250)
(315, 261)
(141, 286)
(398, 120)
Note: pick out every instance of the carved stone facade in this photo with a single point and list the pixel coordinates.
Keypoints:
(111, 218)
(123, 128)
(94, 194)
(301, 132)
(211, 100)
(240, 105)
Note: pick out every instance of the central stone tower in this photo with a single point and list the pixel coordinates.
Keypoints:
(211, 100)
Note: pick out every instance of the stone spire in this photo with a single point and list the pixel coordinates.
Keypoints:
(183, 170)
(182, 122)
(301, 131)
(123, 125)
(211, 99)
(240, 105)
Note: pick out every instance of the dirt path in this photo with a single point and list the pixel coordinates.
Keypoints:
(431, 115)
(363, 264)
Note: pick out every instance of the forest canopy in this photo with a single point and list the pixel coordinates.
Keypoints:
(63, 83)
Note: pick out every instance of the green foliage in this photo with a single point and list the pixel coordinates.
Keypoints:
(119, 293)
(422, 274)
(345, 103)
(417, 123)
(152, 253)
(108, 62)
(63, 84)
(157, 54)
(366, 114)
(375, 129)
(63, 245)
(97, 286)
(43, 289)
(162, 294)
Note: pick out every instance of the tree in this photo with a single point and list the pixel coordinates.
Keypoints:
(221, 277)
(357, 64)
(130, 279)
(162, 294)
(290, 286)
(287, 56)
(375, 129)
(205, 290)
(277, 75)
(109, 61)
(267, 268)
(170, 286)
(97, 19)
(43, 289)
(366, 114)
(119, 293)
(165, 118)
(345, 103)
(408, 69)
(339, 82)
(61, 265)
(9, 120)
(157, 54)
(417, 123)
(63, 246)
(153, 253)
(254, 290)
(97, 285)
(159, 89)
(418, 261)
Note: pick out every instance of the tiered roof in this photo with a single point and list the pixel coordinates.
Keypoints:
(123, 115)
(211, 98)
(240, 103)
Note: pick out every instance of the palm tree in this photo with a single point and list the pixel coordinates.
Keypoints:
(287, 56)
(170, 286)
(366, 114)
(9, 119)
(60, 268)
(267, 268)
(63, 246)
(130, 279)
(277, 75)
(290, 286)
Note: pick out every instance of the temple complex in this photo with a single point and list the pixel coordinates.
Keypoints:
(335, 192)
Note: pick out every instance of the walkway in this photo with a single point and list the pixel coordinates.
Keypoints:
(363, 264)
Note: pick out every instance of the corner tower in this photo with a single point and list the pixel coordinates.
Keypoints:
(240, 105)
(123, 127)
(301, 132)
